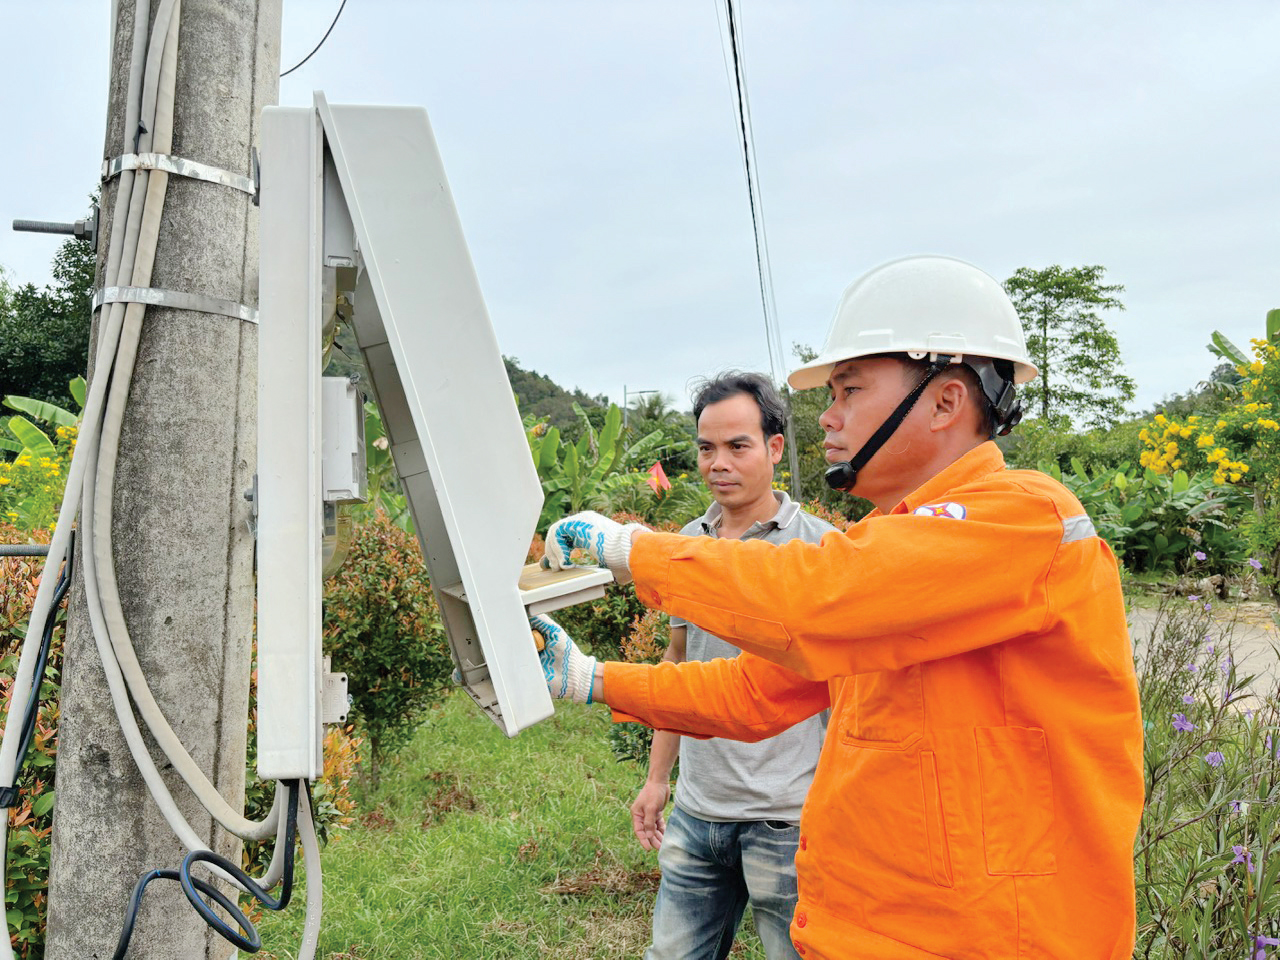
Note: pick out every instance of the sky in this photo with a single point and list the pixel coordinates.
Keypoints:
(593, 154)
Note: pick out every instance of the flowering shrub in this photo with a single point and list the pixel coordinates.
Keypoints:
(1240, 446)
(31, 485)
(1206, 859)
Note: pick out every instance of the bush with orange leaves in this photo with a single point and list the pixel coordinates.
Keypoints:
(31, 818)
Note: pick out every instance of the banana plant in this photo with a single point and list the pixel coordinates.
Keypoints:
(28, 435)
(574, 475)
(1221, 346)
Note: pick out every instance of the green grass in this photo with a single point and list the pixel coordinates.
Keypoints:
(479, 846)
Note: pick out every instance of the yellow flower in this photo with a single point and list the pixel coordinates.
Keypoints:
(1235, 477)
(1161, 419)
(1205, 440)
(1171, 448)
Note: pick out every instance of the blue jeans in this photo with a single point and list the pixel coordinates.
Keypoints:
(710, 871)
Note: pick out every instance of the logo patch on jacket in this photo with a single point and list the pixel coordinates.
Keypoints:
(953, 510)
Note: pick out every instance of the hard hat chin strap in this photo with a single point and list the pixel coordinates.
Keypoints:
(843, 475)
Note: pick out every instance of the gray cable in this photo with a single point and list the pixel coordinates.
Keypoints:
(24, 550)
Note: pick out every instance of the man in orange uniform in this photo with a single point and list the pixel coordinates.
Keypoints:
(980, 785)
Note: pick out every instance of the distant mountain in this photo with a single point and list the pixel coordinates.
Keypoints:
(543, 397)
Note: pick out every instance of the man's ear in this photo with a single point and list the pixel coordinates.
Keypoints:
(775, 444)
(951, 399)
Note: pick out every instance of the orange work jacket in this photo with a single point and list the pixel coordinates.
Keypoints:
(980, 785)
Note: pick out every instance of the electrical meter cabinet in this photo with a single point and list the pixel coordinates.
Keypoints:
(358, 226)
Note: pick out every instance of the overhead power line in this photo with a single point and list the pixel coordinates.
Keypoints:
(777, 360)
(735, 63)
(320, 44)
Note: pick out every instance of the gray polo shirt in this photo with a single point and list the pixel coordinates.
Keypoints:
(726, 780)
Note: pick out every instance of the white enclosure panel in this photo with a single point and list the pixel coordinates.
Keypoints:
(454, 430)
(289, 454)
(344, 470)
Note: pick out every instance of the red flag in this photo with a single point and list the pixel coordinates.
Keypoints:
(658, 478)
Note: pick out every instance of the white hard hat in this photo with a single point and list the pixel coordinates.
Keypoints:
(921, 306)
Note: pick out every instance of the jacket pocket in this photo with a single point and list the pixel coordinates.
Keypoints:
(1017, 801)
(884, 711)
(934, 822)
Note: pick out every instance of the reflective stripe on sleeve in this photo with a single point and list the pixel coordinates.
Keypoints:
(1077, 528)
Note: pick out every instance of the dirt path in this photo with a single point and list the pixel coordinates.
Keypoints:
(1249, 626)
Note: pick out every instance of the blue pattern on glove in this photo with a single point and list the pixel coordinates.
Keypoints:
(580, 533)
(558, 650)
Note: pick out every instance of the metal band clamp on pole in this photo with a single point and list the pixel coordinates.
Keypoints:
(180, 167)
(153, 296)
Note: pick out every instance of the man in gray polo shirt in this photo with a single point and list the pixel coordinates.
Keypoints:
(732, 834)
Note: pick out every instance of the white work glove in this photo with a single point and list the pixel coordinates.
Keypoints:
(606, 541)
(568, 671)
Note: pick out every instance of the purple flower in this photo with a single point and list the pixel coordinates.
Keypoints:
(1248, 713)
(1255, 564)
(1214, 758)
(1209, 648)
(1235, 806)
(1260, 944)
(1208, 606)
(1192, 667)
(1188, 698)
(1243, 856)
(1199, 554)
(1194, 597)
(1182, 724)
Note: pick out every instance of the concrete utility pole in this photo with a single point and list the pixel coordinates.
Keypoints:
(183, 547)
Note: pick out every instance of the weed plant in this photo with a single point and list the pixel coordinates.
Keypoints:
(1206, 857)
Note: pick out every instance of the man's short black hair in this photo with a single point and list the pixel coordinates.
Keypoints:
(773, 413)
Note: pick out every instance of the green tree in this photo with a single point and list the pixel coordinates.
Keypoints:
(1081, 378)
(46, 332)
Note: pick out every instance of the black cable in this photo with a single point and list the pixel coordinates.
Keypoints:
(751, 188)
(46, 642)
(9, 795)
(131, 915)
(249, 941)
(318, 45)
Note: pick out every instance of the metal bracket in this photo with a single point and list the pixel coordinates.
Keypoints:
(179, 166)
(154, 296)
(334, 699)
